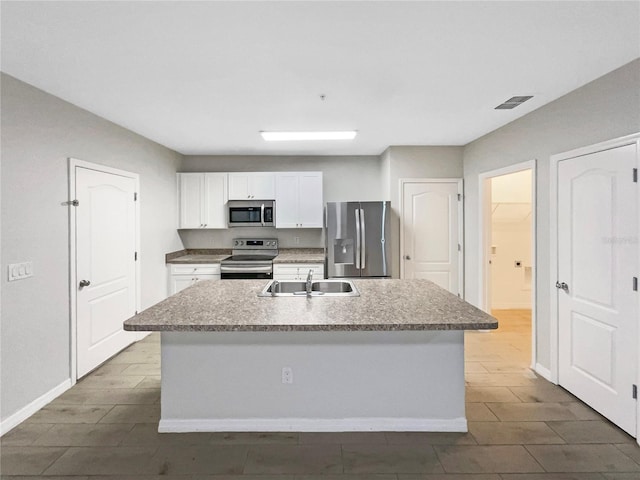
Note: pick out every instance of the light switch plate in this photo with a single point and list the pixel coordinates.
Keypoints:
(20, 271)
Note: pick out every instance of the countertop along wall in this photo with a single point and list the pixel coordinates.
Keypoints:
(606, 108)
(345, 178)
(39, 132)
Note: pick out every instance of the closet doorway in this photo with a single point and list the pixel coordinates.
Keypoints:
(508, 252)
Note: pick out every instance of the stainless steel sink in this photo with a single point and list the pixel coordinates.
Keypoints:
(322, 288)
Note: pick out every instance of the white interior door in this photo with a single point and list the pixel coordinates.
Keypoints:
(597, 260)
(105, 265)
(431, 233)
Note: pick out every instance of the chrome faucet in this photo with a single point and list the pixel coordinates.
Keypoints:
(309, 282)
(274, 287)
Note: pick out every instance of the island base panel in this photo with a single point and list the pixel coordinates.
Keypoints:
(342, 381)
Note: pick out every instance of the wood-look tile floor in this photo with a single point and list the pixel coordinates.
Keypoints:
(521, 427)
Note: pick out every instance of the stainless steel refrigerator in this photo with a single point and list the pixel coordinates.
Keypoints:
(358, 239)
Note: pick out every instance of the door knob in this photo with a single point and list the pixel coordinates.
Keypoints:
(562, 286)
(407, 257)
(84, 283)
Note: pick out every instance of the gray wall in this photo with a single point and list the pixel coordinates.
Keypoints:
(604, 109)
(414, 162)
(39, 132)
(344, 179)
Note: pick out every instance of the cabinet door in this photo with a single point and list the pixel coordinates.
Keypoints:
(287, 200)
(262, 186)
(310, 203)
(215, 199)
(190, 200)
(238, 186)
(180, 282)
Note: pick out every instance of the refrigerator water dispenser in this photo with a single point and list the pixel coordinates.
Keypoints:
(343, 253)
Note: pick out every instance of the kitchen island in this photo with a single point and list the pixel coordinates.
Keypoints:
(390, 359)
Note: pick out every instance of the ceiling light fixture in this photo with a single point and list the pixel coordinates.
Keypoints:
(293, 136)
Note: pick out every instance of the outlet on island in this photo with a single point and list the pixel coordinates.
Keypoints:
(287, 375)
(296, 240)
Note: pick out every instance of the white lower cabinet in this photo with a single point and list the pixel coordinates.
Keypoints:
(297, 271)
(182, 276)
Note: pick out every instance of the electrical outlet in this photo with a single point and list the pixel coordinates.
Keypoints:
(287, 375)
(296, 240)
(20, 271)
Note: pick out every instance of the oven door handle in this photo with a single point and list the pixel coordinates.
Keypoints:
(262, 214)
(261, 269)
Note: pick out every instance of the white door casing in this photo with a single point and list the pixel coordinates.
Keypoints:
(104, 246)
(597, 259)
(431, 231)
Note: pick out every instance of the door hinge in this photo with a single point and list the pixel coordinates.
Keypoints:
(135, 256)
(635, 175)
(635, 284)
(634, 391)
(72, 203)
(459, 248)
(135, 196)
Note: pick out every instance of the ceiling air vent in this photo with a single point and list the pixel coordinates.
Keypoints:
(513, 102)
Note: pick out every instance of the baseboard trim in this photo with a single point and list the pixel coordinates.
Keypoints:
(313, 425)
(544, 372)
(25, 412)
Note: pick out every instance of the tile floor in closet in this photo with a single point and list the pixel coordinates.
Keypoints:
(521, 427)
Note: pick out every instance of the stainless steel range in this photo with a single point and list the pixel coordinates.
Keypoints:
(251, 258)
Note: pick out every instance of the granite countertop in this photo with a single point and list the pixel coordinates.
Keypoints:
(300, 255)
(203, 255)
(383, 304)
(286, 255)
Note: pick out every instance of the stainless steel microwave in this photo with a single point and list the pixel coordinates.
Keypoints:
(260, 213)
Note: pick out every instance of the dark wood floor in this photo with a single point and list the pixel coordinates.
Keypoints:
(521, 427)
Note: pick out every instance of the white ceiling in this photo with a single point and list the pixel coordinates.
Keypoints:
(206, 77)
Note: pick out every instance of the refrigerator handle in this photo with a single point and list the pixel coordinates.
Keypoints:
(357, 237)
(363, 238)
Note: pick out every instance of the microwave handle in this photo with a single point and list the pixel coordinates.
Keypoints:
(262, 214)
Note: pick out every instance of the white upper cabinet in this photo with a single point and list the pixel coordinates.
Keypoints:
(252, 186)
(299, 202)
(202, 198)
(190, 205)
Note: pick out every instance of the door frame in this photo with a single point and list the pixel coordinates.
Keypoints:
(554, 348)
(485, 226)
(459, 182)
(73, 280)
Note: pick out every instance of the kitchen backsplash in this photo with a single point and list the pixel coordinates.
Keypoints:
(287, 238)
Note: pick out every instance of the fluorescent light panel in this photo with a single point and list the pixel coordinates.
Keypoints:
(293, 136)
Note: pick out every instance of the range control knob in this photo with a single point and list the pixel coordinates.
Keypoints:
(236, 243)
